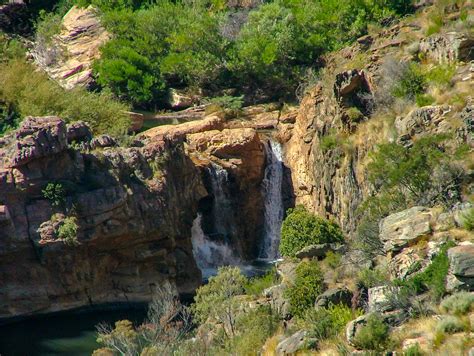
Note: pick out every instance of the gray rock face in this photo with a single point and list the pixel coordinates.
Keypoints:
(334, 296)
(78, 131)
(404, 228)
(405, 263)
(448, 47)
(379, 298)
(277, 300)
(291, 344)
(461, 273)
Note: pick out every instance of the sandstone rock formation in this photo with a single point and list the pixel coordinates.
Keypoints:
(68, 58)
(133, 208)
(461, 262)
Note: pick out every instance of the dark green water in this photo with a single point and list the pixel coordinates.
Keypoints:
(61, 334)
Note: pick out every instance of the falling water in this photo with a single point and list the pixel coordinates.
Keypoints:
(272, 190)
(209, 254)
(222, 206)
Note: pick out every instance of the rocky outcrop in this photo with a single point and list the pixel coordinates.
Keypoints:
(448, 47)
(461, 268)
(132, 209)
(334, 296)
(68, 58)
(292, 344)
(404, 228)
(319, 251)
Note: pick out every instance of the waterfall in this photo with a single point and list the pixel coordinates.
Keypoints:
(213, 250)
(272, 192)
(209, 254)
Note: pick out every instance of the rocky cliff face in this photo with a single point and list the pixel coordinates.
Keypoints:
(133, 209)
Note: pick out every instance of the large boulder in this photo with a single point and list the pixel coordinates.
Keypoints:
(69, 58)
(292, 344)
(448, 47)
(334, 296)
(380, 298)
(461, 267)
(405, 228)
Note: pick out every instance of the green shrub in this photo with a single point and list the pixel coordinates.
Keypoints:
(328, 142)
(227, 102)
(450, 325)
(441, 75)
(458, 304)
(252, 330)
(67, 231)
(414, 350)
(374, 335)
(255, 286)
(30, 92)
(433, 278)
(308, 284)
(468, 220)
(424, 100)
(301, 228)
(354, 114)
(49, 25)
(215, 299)
(54, 192)
(411, 84)
(333, 259)
(324, 323)
(370, 278)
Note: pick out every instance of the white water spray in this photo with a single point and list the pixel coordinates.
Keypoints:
(272, 192)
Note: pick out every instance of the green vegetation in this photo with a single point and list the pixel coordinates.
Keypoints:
(370, 278)
(411, 84)
(433, 278)
(27, 92)
(414, 350)
(307, 286)
(301, 228)
(324, 323)
(255, 286)
(374, 335)
(333, 259)
(67, 231)
(451, 324)
(468, 220)
(54, 192)
(458, 304)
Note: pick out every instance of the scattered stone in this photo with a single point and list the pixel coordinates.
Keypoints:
(404, 264)
(317, 250)
(448, 47)
(291, 344)
(334, 296)
(404, 228)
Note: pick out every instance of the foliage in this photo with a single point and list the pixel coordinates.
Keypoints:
(255, 286)
(324, 323)
(307, 286)
(227, 102)
(333, 259)
(49, 25)
(451, 324)
(168, 322)
(433, 278)
(328, 142)
(252, 330)
(370, 278)
(414, 350)
(424, 100)
(215, 300)
(67, 231)
(468, 220)
(54, 192)
(373, 335)
(301, 228)
(459, 303)
(29, 92)
(411, 84)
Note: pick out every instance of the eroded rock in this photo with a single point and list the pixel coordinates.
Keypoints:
(461, 268)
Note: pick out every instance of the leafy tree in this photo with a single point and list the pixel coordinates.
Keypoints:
(308, 284)
(301, 228)
(216, 301)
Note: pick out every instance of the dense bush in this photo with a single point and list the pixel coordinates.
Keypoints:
(255, 286)
(301, 228)
(451, 324)
(324, 323)
(458, 303)
(373, 335)
(67, 231)
(29, 92)
(468, 220)
(54, 192)
(308, 284)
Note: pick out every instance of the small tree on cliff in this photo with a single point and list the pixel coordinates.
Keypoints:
(301, 229)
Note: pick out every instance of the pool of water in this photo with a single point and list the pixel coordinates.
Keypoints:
(71, 333)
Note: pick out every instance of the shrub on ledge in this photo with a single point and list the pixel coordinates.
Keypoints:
(301, 229)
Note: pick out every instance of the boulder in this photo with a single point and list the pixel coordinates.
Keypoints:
(178, 100)
(103, 141)
(78, 131)
(349, 82)
(461, 267)
(459, 211)
(405, 228)
(292, 344)
(69, 58)
(404, 264)
(428, 119)
(448, 47)
(334, 296)
(276, 298)
(380, 298)
(38, 137)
